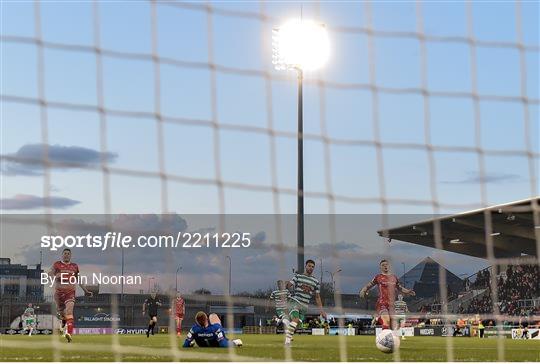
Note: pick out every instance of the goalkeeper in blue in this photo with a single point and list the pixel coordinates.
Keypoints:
(208, 333)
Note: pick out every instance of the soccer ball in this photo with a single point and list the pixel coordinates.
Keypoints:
(386, 341)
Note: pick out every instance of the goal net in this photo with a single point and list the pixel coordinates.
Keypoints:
(157, 141)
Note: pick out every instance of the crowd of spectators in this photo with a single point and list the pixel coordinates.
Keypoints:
(315, 322)
(333, 322)
(522, 283)
(482, 280)
(482, 304)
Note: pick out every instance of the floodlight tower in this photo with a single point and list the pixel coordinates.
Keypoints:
(300, 45)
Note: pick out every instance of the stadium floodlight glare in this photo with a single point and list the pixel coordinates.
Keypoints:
(301, 45)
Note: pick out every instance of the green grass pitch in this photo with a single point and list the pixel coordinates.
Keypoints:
(258, 347)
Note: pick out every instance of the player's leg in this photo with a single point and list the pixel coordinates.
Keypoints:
(151, 324)
(214, 319)
(401, 321)
(60, 315)
(384, 314)
(383, 311)
(178, 320)
(386, 321)
(26, 326)
(296, 316)
(394, 320)
(279, 315)
(29, 326)
(154, 322)
(60, 309)
(283, 318)
(68, 332)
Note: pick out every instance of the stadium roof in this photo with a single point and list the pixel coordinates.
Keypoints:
(512, 231)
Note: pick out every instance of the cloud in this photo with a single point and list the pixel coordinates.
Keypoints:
(494, 178)
(30, 159)
(30, 202)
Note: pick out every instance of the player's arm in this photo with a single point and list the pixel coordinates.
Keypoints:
(292, 283)
(409, 292)
(144, 307)
(222, 340)
(83, 287)
(319, 304)
(87, 292)
(188, 343)
(404, 290)
(52, 272)
(363, 292)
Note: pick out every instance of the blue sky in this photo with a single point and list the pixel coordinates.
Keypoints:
(344, 110)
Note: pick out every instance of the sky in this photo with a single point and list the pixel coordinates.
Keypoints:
(216, 70)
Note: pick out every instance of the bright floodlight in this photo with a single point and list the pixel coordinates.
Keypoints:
(300, 44)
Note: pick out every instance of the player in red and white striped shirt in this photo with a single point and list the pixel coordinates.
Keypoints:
(179, 312)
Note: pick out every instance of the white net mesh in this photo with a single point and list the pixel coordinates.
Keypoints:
(164, 107)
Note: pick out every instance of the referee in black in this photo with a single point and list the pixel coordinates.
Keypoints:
(150, 305)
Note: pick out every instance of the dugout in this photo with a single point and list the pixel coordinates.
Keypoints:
(509, 228)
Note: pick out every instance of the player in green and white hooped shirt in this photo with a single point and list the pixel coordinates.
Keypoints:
(304, 287)
(280, 297)
(29, 319)
(400, 309)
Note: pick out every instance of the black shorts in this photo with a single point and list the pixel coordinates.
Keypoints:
(152, 314)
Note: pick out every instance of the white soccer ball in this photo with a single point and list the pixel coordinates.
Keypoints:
(386, 341)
